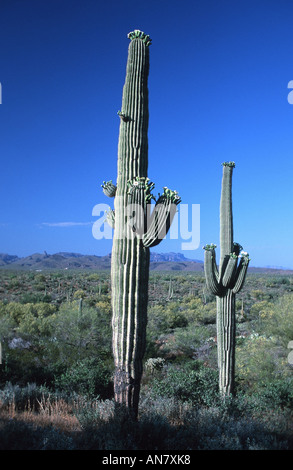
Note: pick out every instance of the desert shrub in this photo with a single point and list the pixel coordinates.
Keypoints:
(78, 336)
(30, 316)
(89, 377)
(171, 315)
(261, 309)
(48, 341)
(22, 366)
(165, 317)
(277, 321)
(196, 383)
(257, 360)
(193, 341)
(217, 431)
(198, 312)
(91, 412)
(277, 393)
(22, 397)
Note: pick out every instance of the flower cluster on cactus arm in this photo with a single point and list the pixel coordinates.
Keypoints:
(142, 182)
(169, 195)
(210, 247)
(137, 34)
(230, 164)
(245, 256)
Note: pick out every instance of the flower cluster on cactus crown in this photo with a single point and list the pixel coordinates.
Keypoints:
(210, 247)
(141, 35)
(230, 164)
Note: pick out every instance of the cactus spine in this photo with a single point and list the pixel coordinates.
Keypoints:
(225, 282)
(133, 236)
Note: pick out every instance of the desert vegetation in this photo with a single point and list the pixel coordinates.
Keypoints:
(56, 381)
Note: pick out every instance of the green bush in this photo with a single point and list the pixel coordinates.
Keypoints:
(197, 384)
(78, 336)
(278, 320)
(277, 393)
(87, 377)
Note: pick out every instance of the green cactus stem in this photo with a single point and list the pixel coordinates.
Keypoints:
(130, 250)
(225, 283)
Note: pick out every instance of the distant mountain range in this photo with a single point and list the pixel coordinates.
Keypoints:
(63, 260)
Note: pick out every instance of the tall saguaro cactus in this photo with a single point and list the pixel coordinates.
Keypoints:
(136, 227)
(225, 282)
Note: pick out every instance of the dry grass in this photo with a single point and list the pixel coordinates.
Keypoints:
(46, 412)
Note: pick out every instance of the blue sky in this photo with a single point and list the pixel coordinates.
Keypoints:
(218, 91)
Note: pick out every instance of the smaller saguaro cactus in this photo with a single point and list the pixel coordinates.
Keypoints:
(225, 282)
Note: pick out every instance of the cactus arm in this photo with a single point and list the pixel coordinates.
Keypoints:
(110, 218)
(211, 270)
(241, 272)
(159, 222)
(109, 189)
(230, 270)
(139, 195)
